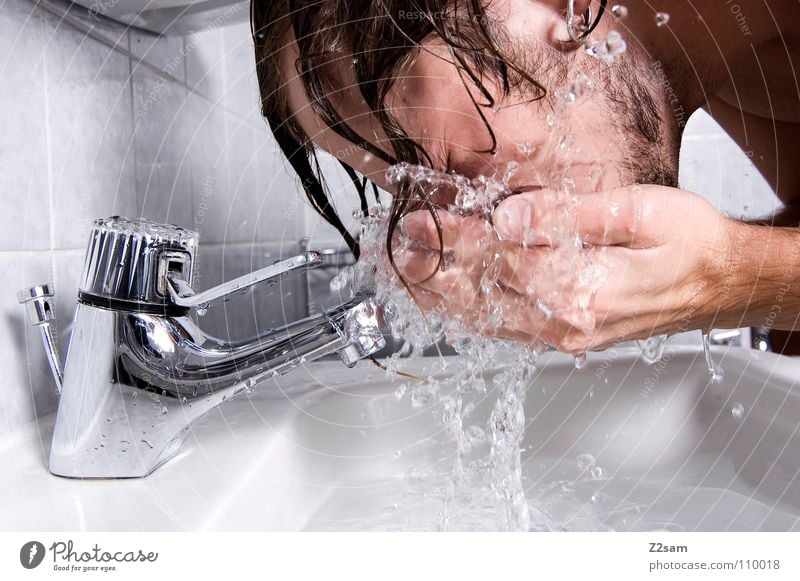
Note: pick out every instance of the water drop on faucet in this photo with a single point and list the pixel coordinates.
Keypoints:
(619, 11)
(586, 462)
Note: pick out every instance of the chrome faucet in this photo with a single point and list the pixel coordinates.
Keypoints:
(139, 370)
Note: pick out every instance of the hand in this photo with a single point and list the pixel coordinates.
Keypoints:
(653, 260)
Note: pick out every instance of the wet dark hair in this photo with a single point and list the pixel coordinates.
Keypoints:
(379, 38)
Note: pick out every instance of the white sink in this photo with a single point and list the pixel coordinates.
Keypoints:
(332, 448)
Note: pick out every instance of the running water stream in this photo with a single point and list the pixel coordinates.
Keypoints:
(570, 265)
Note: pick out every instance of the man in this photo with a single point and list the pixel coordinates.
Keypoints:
(469, 86)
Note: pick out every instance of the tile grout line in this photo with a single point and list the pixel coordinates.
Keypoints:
(48, 149)
(115, 46)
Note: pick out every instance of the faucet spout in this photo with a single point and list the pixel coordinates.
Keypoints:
(181, 360)
(41, 313)
(139, 370)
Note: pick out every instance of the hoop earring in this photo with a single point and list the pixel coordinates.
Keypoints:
(580, 32)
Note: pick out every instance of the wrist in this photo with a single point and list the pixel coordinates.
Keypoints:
(757, 277)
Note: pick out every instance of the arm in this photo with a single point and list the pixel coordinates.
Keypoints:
(764, 279)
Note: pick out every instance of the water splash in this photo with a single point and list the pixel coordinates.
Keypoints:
(609, 50)
(653, 348)
(570, 278)
(715, 372)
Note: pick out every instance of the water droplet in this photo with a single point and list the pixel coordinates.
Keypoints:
(737, 411)
(201, 311)
(475, 434)
(580, 84)
(580, 362)
(526, 149)
(619, 11)
(586, 462)
(164, 411)
(133, 395)
(609, 50)
(653, 348)
(184, 400)
(419, 397)
(662, 19)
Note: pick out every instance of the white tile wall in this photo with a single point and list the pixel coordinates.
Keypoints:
(90, 131)
(713, 166)
(23, 133)
(98, 119)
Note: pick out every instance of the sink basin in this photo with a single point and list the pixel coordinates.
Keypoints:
(620, 445)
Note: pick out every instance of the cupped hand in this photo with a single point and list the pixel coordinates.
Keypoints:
(577, 274)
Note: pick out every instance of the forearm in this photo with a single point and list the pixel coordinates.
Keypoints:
(761, 279)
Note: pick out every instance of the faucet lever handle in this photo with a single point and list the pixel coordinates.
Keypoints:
(182, 295)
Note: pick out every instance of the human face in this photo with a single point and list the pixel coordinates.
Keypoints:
(618, 132)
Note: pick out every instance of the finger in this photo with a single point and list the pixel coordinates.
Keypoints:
(521, 268)
(529, 218)
(416, 266)
(464, 237)
(614, 217)
(426, 300)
